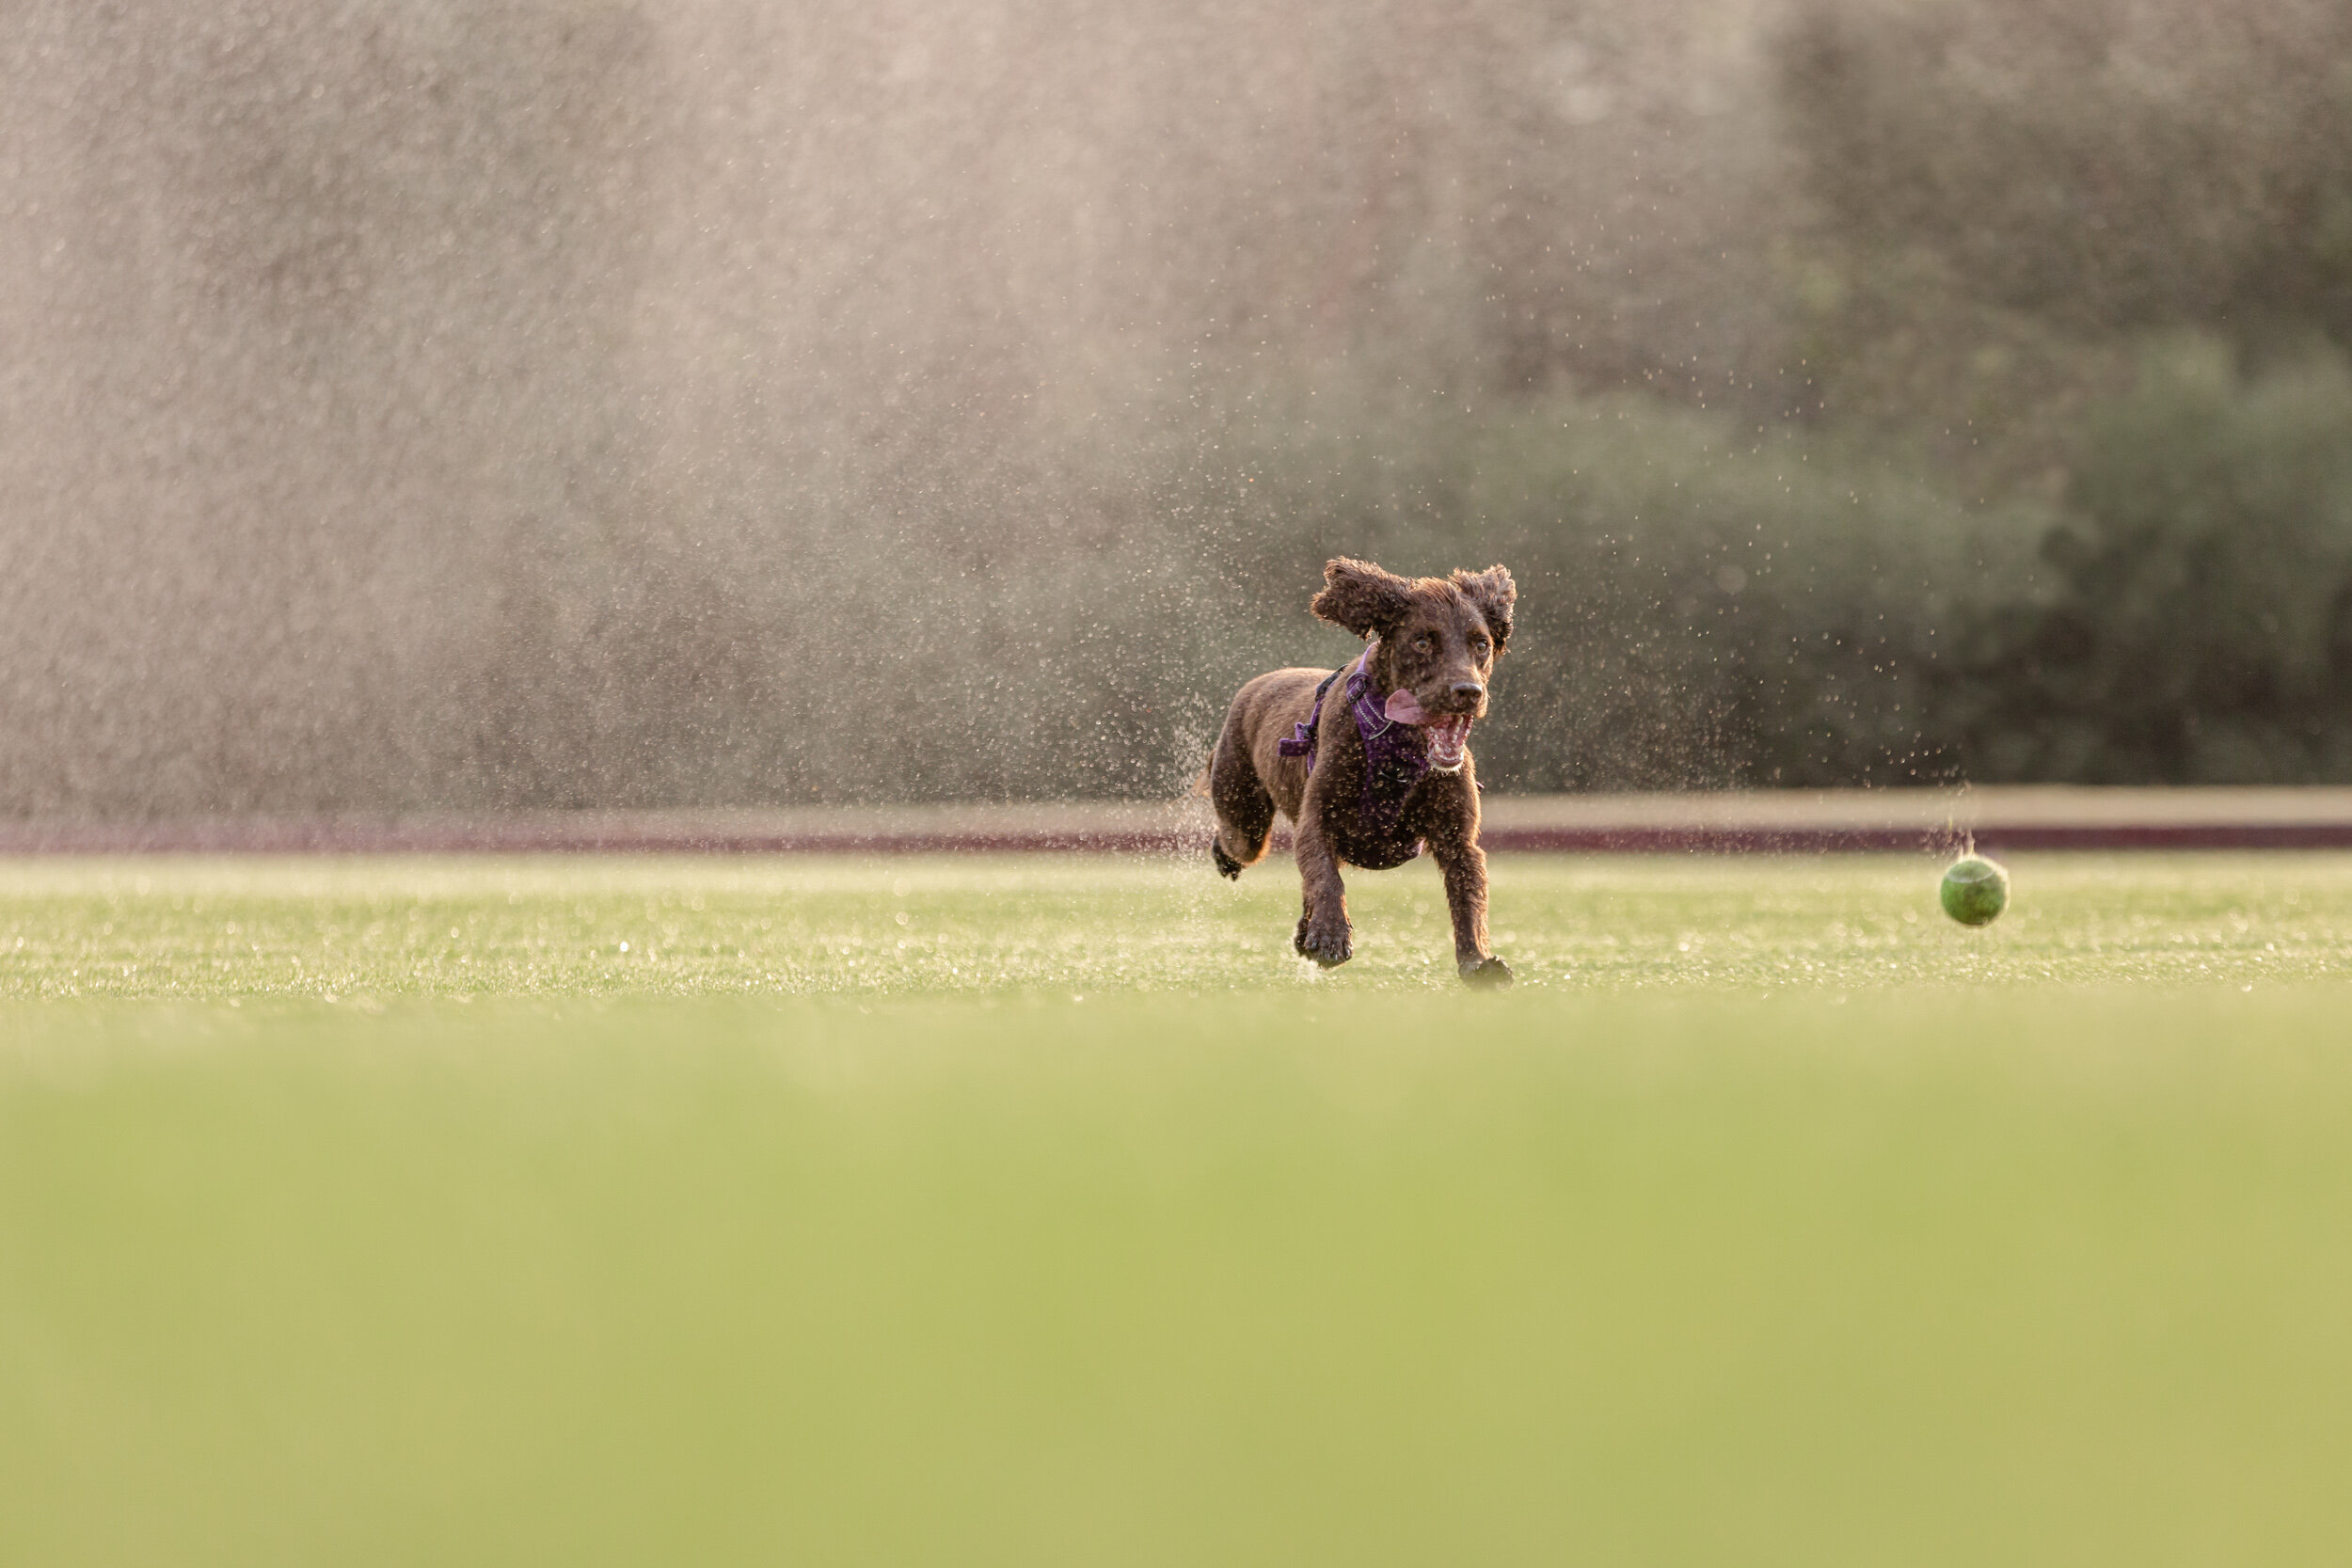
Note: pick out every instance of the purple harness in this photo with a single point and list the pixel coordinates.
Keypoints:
(1396, 759)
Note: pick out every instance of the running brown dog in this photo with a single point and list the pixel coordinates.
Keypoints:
(1372, 761)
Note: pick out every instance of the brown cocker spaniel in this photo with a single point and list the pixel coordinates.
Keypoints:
(1372, 761)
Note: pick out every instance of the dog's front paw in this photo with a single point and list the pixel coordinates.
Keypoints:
(1328, 945)
(1489, 973)
(1227, 866)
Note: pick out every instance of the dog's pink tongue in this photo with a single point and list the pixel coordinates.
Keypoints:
(1402, 707)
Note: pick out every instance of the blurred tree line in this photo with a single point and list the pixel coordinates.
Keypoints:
(551, 403)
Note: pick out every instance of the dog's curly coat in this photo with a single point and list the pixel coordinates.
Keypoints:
(1437, 639)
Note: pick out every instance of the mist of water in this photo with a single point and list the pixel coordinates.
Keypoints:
(571, 402)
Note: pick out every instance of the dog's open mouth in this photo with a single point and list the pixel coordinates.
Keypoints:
(1446, 735)
(1448, 739)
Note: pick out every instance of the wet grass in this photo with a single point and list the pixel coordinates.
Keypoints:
(1776, 1220)
(374, 930)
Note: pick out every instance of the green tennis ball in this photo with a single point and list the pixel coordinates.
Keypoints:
(1975, 890)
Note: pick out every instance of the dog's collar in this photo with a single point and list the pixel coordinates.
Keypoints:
(1370, 702)
(1438, 736)
(1368, 705)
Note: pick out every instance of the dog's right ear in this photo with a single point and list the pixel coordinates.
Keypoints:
(1361, 596)
(1493, 591)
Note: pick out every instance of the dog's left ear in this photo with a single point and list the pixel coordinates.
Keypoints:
(1361, 596)
(1493, 591)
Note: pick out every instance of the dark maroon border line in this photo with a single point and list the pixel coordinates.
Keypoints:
(540, 836)
(1990, 837)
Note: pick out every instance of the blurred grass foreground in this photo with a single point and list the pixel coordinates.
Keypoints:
(1040, 1210)
(584, 403)
(1927, 1277)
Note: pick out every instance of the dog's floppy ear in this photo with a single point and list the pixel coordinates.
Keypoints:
(1493, 591)
(1361, 596)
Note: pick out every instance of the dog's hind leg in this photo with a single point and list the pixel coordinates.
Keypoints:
(1245, 810)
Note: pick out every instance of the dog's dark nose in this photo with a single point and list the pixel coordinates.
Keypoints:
(1469, 691)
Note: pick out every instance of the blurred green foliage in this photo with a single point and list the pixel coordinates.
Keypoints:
(1704, 601)
(2199, 625)
(2100, 166)
(1708, 602)
(2067, 494)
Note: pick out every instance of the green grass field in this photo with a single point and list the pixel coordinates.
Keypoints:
(1771, 1219)
(366, 931)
